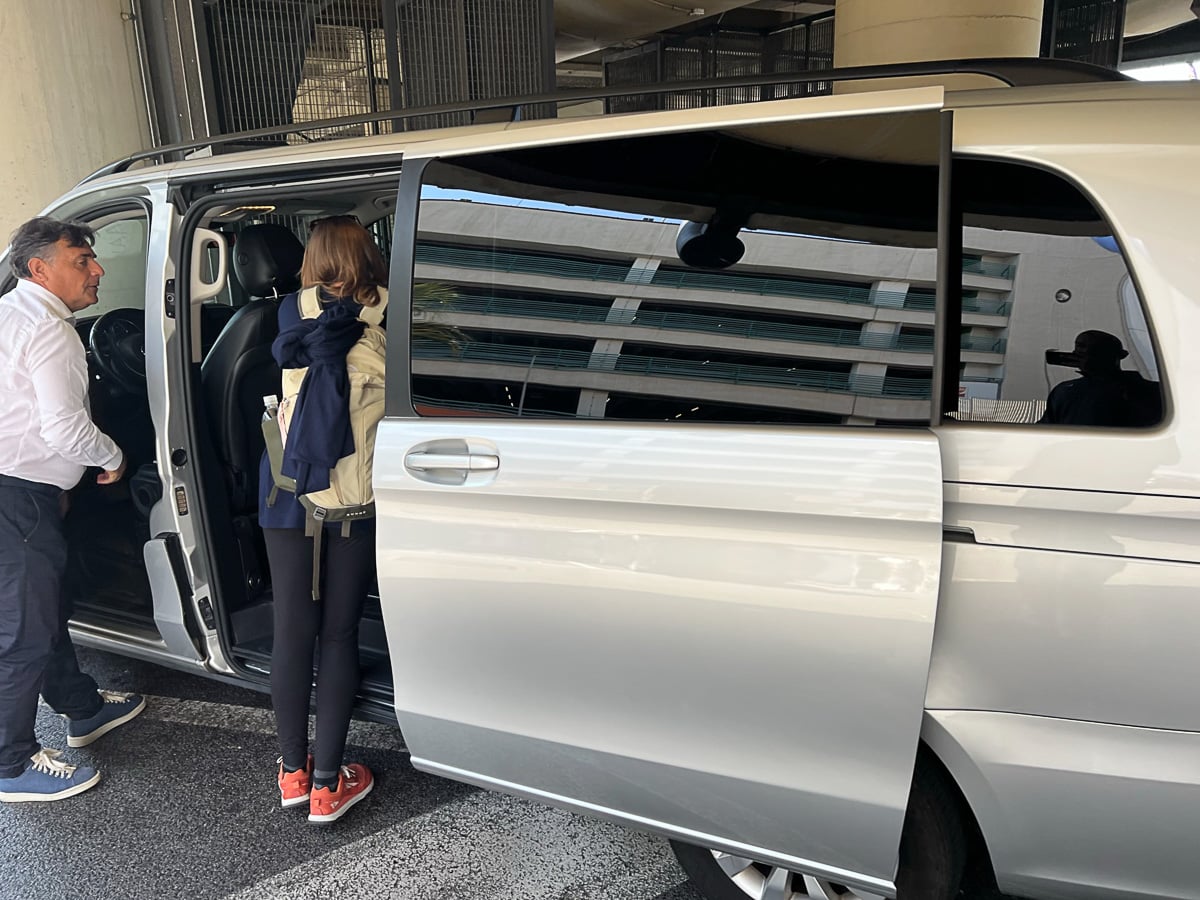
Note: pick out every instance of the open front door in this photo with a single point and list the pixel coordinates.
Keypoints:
(660, 536)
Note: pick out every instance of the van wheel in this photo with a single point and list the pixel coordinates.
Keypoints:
(932, 856)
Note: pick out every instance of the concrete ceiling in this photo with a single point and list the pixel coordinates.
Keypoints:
(584, 26)
(1150, 16)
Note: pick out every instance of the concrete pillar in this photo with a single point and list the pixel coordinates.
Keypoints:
(624, 309)
(604, 352)
(978, 370)
(890, 294)
(879, 335)
(643, 269)
(604, 356)
(867, 377)
(71, 99)
(591, 404)
(871, 32)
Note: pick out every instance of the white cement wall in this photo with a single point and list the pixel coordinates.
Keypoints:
(1036, 322)
(70, 98)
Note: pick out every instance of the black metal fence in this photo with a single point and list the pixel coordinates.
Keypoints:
(276, 62)
(1089, 31)
(802, 46)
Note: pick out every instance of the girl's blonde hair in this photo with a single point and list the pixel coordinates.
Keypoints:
(341, 252)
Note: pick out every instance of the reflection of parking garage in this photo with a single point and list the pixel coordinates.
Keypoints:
(544, 340)
(577, 298)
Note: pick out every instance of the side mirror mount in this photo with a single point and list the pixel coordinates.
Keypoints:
(711, 245)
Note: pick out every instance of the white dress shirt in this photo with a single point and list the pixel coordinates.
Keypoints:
(46, 431)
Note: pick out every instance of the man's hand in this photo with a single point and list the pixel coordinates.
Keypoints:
(111, 476)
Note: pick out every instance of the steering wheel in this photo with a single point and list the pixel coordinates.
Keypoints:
(118, 344)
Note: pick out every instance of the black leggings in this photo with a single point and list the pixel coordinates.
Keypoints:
(329, 624)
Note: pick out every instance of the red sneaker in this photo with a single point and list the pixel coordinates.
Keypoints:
(328, 804)
(294, 787)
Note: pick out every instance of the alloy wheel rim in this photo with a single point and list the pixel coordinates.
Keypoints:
(763, 882)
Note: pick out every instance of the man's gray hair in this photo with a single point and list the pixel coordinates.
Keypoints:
(37, 237)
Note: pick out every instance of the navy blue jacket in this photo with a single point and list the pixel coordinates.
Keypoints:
(320, 432)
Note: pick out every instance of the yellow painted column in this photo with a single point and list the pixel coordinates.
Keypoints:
(70, 98)
(877, 32)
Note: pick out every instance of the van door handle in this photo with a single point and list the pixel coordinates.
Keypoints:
(958, 534)
(454, 462)
(467, 462)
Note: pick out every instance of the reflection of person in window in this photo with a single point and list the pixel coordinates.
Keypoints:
(1104, 394)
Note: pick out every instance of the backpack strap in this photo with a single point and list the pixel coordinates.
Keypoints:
(314, 527)
(373, 315)
(309, 303)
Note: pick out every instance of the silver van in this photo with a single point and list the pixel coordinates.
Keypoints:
(810, 481)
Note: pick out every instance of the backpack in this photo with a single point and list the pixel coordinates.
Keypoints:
(349, 496)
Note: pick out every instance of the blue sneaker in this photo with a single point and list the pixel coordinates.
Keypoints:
(117, 710)
(46, 777)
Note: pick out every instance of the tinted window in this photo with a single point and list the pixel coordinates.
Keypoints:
(1053, 329)
(757, 275)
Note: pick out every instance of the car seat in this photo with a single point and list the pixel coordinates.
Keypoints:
(239, 370)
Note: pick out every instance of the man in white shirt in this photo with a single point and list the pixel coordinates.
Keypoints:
(47, 441)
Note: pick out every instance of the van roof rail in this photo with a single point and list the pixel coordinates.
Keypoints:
(1014, 72)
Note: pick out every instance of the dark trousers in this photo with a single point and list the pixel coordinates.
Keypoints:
(330, 625)
(36, 653)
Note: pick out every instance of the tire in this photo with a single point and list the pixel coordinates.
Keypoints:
(933, 845)
(932, 855)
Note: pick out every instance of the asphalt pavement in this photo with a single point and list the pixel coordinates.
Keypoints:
(188, 808)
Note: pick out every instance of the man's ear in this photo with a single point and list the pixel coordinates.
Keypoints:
(37, 270)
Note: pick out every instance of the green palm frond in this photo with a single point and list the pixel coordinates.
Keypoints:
(433, 293)
(431, 297)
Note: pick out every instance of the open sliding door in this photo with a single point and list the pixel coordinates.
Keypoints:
(660, 510)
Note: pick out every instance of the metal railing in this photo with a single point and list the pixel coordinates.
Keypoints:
(762, 285)
(990, 268)
(985, 307)
(628, 364)
(1014, 72)
(523, 263)
(440, 406)
(768, 285)
(743, 328)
